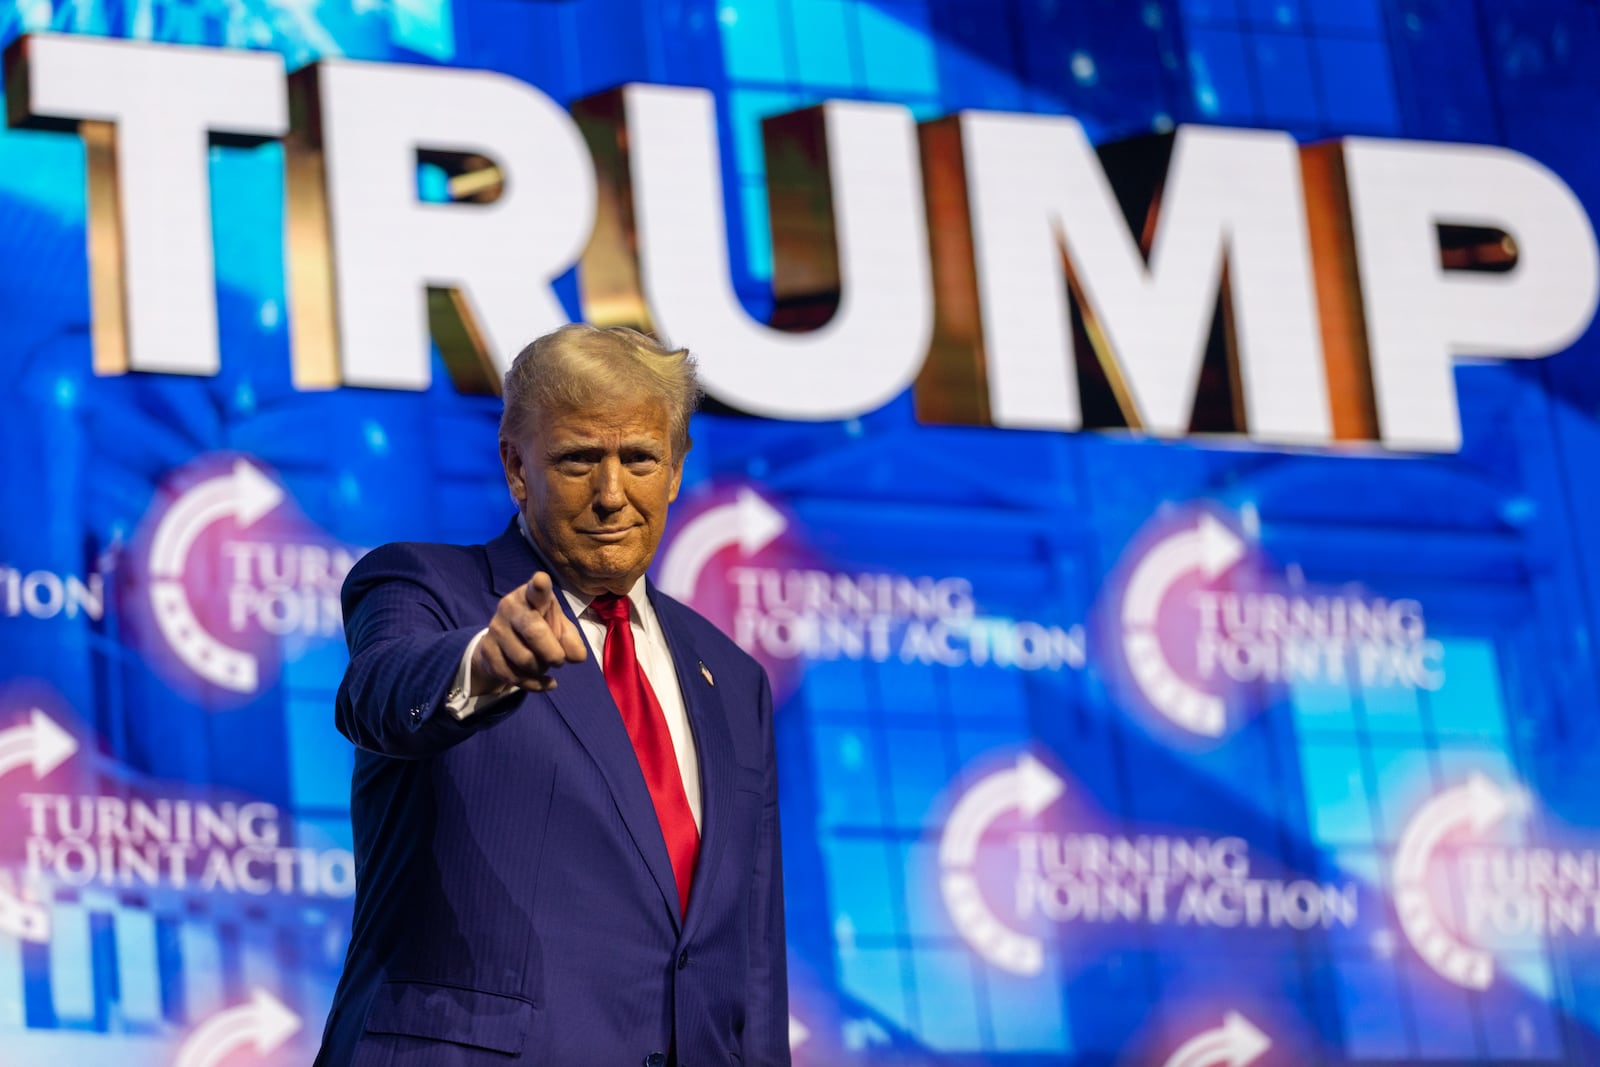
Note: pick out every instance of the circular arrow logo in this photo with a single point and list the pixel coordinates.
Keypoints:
(1236, 1043)
(747, 521)
(244, 495)
(40, 743)
(43, 746)
(1476, 807)
(1026, 788)
(262, 1025)
(1209, 629)
(1207, 549)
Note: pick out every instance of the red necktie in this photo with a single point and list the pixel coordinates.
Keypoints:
(652, 744)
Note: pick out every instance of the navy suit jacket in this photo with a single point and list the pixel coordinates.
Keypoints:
(515, 902)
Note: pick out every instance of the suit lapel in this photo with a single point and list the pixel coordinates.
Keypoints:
(584, 703)
(714, 745)
(512, 561)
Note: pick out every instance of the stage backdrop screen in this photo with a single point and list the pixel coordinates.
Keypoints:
(1153, 447)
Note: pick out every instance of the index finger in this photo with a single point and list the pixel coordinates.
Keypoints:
(540, 593)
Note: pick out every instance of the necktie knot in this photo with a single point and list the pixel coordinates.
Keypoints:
(610, 608)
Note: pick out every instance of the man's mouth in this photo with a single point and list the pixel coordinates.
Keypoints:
(608, 535)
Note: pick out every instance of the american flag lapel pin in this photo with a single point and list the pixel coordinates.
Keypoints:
(705, 672)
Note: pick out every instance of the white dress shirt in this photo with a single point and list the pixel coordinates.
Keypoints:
(650, 645)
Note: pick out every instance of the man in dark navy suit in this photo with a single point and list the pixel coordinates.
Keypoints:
(565, 796)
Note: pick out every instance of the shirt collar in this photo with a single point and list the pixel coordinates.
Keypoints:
(640, 611)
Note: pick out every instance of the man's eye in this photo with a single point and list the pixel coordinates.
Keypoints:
(574, 464)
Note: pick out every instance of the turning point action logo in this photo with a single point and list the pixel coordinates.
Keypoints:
(259, 584)
(1201, 618)
(733, 562)
(1059, 877)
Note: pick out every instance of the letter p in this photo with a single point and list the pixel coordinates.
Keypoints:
(1420, 315)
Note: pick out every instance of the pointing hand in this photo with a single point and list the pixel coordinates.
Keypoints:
(529, 637)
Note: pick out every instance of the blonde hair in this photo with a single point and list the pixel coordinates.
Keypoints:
(581, 366)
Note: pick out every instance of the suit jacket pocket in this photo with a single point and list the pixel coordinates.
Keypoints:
(450, 1013)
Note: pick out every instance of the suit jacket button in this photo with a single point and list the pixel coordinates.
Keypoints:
(656, 1059)
(683, 959)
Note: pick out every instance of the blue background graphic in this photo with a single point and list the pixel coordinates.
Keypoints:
(1496, 542)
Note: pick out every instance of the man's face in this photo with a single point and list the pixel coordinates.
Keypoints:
(594, 487)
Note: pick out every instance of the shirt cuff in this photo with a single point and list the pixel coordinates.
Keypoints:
(457, 702)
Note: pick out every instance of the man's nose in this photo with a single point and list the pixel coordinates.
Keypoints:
(608, 494)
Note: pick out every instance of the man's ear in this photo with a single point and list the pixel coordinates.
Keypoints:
(677, 469)
(516, 476)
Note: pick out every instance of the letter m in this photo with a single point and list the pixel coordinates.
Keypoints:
(1027, 229)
